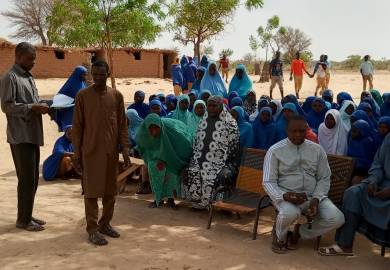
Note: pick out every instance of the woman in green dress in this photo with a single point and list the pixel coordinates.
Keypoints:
(166, 147)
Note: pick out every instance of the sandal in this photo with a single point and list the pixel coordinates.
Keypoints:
(109, 231)
(154, 204)
(97, 239)
(38, 221)
(333, 250)
(279, 247)
(31, 226)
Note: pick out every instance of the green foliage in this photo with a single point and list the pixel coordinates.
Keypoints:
(208, 50)
(95, 23)
(306, 56)
(227, 52)
(197, 21)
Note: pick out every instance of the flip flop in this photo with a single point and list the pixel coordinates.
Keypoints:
(31, 227)
(333, 250)
(38, 221)
(97, 239)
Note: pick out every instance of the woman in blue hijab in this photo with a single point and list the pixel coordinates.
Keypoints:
(241, 82)
(264, 130)
(383, 130)
(76, 82)
(374, 106)
(246, 131)
(362, 115)
(361, 147)
(289, 109)
(200, 71)
(306, 107)
(385, 109)
(139, 105)
(317, 114)
(293, 99)
(134, 121)
(177, 77)
(181, 112)
(188, 74)
(170, 102)
(193, 95)
(341, 97)
(59, 163)
(157, 108)
(365, 106)
(213, 81)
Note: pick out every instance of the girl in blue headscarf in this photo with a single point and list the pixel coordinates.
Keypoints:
(181, 112)
(157, 108)
(170, 102)
(139, 105)
(246, 131)
(196, 116)
(293, 99)
(361, 147)
(134, 122)
(232, 95)
(204, 62)
(374, 106)
(200, 71)
(213, 81)
(59, 163)
(237, 101)
(193, 95)
(341, 97)
(264, 130)
(205, 95)
(362, 115)
(317, 114)
(76, 82)
(241, 83)
(327, 95)
(385, 109)
(306, 106)
(289, 109)
(177, 77)
(364, 106)
(383, 130)
(188, 74)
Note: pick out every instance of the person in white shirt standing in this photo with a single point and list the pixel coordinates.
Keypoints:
(367, 71)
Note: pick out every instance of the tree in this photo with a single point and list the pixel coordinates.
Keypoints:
(105, 24)
(352, 62)
(254, 44)
(226, 52)
(29, 18)
(197, 21)
(293, 41)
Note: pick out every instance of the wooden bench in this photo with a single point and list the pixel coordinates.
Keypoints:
(122, 176)
(249, 195)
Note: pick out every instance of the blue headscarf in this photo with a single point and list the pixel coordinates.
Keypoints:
(237, 101)
(264, 132)
(314, 119)
(195, 94)
(374, 106)
(241, 86)
(204, 62)
(232, 95)
(158, 102)
(384, 120)
(192, 65)
(341, 97)
(327, 95)
(134, 122)
(365, 106)
(214, 84)
(178, 114)
(246, 131)
(188, 74)
(293, 99)
(196, 85)
(282, 121)
(52, 163)
(204, 91)
(74, 83)
(177, 75)
(306, 107)
(171, 99)
(141, 108)
(362, 115)
(361, 149)
(385, 109)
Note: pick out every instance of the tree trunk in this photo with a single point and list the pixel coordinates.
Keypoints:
(43, 38)
(197, 49)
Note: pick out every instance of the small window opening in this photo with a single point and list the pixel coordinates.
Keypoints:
(137, 55)
(59, 55)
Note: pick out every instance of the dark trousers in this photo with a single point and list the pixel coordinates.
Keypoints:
(346, 234)
(26, 160)
(92, 213)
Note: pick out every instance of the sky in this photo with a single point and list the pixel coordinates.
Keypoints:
(337, 27)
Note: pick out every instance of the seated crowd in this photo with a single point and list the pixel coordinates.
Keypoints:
(192, 142)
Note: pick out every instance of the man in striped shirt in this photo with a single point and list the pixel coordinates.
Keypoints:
(297, 179)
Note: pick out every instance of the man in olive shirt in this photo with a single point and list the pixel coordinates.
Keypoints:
(20, 102)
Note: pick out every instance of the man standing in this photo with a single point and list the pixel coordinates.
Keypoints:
(367, 71)
(224, 63)
(276, 74)
(99, 131)
(20, 102)
(297, 179)
(297, 68)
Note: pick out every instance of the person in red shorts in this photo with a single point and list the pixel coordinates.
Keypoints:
(224, 64)
(297, 68)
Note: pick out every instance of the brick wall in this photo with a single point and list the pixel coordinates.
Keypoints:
(127, 66)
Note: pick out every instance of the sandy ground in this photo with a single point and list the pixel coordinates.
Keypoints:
(153, 239)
